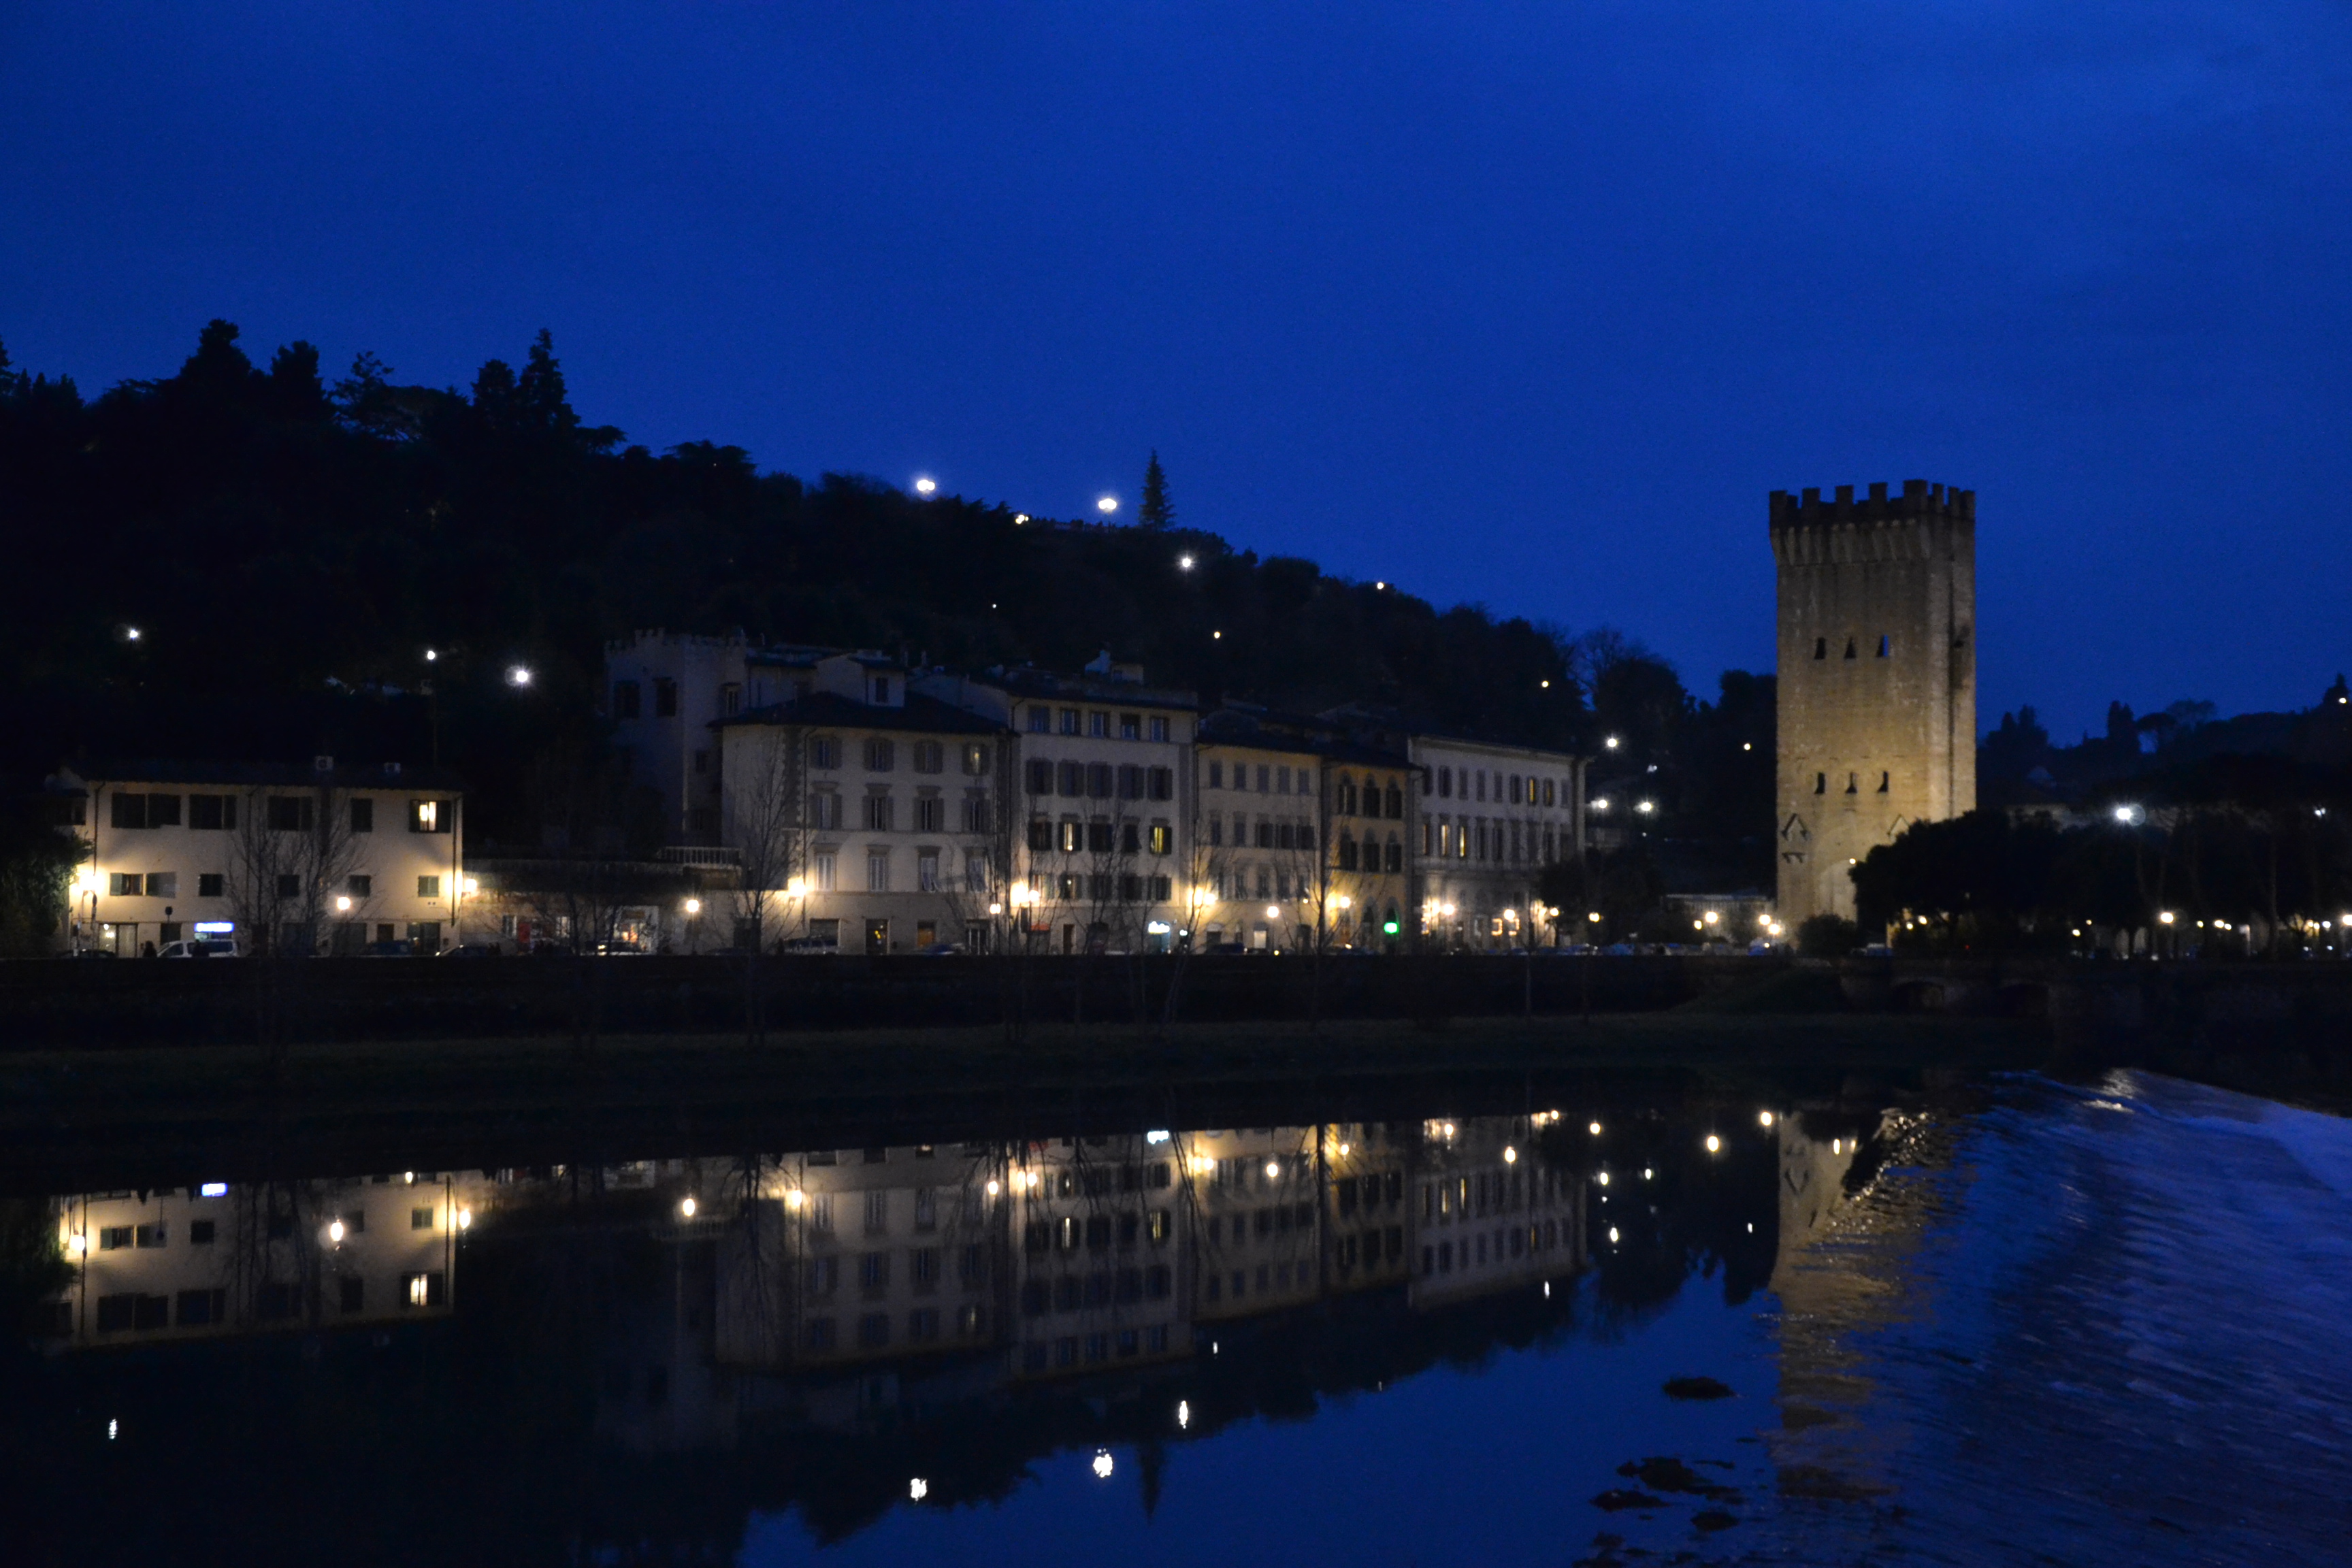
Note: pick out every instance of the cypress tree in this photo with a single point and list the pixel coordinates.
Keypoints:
(1155, 511)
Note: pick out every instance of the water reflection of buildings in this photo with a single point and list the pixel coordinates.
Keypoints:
(216, 1258)
(843, 1289)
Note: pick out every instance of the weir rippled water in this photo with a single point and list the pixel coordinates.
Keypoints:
(1997, 1321)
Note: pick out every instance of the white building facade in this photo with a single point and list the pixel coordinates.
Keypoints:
(326, 860)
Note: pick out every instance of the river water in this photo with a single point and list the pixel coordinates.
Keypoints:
(2000, 1321)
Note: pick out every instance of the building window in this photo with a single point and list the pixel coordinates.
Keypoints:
(881, 755)
(1216, 775)
(1073, 836)
(826, 865)
(825, 808)
(428, 887)
(1100, 779)
(1130, 782)
(1130, 726)
(927, 869)
(424, 815)
(1163, 783)
(626, 699)
(1040, 776)
(359, 885)
(731, 697)
(1073, 780)
(930, 757)
(975, 760)
(212, 813)
(1041, 836)
(877, 870)
(975, 873)
(1099, 724)
(824, 752)
(930, 814)
(877, 813)
(1162, 887)
(1446, 783)
(1163, 838)
(1069, 720)
(975, 814)
(882, 689)
(1160, 729)
(291, 814)
(1041, 720)
(211, 885)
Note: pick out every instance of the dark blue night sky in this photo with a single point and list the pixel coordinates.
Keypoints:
(1526, 304)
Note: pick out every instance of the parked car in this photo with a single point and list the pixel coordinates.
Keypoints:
(200, 947)
(398, 947)
(88, 953)
(474, 950)
(939, 950)
(808, 947)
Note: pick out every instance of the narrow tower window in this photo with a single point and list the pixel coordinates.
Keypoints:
(1849, 648)
(1820, 647)
(1852, 784)
(1886, 644)
(1820, 783)
(1883, 780)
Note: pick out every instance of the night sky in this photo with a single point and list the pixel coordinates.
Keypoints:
(1529, 305)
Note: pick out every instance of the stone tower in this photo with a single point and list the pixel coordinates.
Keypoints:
(1877, 711)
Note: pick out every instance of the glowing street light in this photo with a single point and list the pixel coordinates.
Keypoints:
(1183, 563)
(694, 906)
(1713, 1144)
(926, 486)
(1107, 505)
(687, 1207)
(2129, 816)
(335, 1232)
(519, 676)
(1645, 807)
(1611, 742)
(1102, 1466)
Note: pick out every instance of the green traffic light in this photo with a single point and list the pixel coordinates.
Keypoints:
(1390, 928)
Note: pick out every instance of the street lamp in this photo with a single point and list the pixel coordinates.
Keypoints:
(519, 676)
(926, 486)
(1183, 563)
(2129, 816)
(1107, 505)
(1611, 742)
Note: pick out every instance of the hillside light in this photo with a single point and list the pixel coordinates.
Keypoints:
(1747, 745)
(2163, 917)
(1214, 636)
(1713, 1144)
(131, 634)
(1102, 1466)
(1601, 803)
(1380, 587)
(431, 655)
(1510, 1156)
(1183, 563)
(1763, 1119)
(1544, 684)
(918, 1489)
(1593, 916)
(687, 1207)
(1645, 807)
(694, 906)
(2128, 815)
(1611, 742)
(1018, 518)
(1594, 1129)
(335, 1232)
(518, 675)
(1107, 505)
(924, 487)
(1710, 917)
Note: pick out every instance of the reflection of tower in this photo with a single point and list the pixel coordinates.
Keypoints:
(1842, 1274)
(1877, 705)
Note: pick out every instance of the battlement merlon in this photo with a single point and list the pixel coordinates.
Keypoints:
(1920, 501)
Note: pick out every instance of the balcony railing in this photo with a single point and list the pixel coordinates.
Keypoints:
(711, 856)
